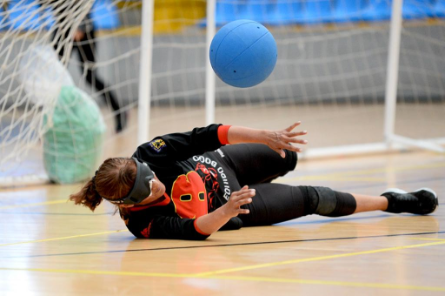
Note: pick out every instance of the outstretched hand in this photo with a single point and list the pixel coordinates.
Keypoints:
(280, 140)
(238, 199)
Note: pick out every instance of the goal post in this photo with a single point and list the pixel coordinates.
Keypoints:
(436, 145)
(210, 75)
(145, 71)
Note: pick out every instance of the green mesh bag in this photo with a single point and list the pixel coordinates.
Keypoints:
(72, 145)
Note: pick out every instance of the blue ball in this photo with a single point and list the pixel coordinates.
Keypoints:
(243, 53)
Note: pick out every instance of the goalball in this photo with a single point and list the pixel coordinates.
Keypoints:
(243, 53)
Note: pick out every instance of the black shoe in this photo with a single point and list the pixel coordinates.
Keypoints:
(423, 201)
(120, 121)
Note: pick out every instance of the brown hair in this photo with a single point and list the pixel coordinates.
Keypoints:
(113, 180)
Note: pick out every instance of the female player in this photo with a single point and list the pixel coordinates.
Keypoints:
(187, 186)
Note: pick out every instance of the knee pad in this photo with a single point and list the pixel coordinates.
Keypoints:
(326, 202)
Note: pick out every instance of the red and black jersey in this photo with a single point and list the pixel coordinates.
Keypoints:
(194, 179)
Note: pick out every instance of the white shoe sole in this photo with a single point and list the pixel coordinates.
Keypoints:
(397, 190)
(429, 190)
(394, 190)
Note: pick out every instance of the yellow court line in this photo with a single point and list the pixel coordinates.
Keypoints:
(102, 272)
(215, 274)
(238, 278)
(363, 172)
(330, 283)
(53, 202)
(273, 264)
(426, 238)
(63, 238)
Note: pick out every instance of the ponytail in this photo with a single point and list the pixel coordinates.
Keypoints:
(113, 180)
(87, 196)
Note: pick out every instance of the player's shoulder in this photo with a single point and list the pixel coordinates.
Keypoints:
(150, 150)
(157, 145)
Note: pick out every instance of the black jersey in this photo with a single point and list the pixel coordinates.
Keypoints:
(195, 184)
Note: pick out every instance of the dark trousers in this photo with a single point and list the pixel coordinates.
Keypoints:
(257, 165)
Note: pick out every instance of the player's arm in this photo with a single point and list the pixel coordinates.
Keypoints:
(167, 227)
(276, 140)
(181, 146)
(212, 222)
(191, 229)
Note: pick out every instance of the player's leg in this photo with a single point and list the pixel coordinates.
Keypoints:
(58, 39)
(257, 163)
(86, 48)
(274, 203)
(422, 201)
(367, 203)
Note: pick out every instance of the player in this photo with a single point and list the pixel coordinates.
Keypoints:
(85, 44)
(189, 185)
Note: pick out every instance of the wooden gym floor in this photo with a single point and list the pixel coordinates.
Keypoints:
(48, 246)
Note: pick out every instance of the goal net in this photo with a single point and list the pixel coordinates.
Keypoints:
(330, 74)
(41, 52)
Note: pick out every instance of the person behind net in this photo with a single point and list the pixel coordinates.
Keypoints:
(85, 45)
(190, 185)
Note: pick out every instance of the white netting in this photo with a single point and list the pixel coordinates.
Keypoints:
(330, 73)
(38, 38)
(31, 74)
(421, 86)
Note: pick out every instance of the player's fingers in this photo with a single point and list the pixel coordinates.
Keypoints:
(297, 141)
(278, 149)
(243, 211)
(281, 153)
(296, 134)
(290, 147)
(291, 127)
(243, 202)
(241, 191)
(246, 194)
(241, 195)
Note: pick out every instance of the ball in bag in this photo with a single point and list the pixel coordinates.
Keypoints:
(243, 53)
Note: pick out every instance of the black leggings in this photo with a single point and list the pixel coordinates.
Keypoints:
(257, 165)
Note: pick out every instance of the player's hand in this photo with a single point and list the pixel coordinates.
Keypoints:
(280, 140)
(78, 35)
(238, 199)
